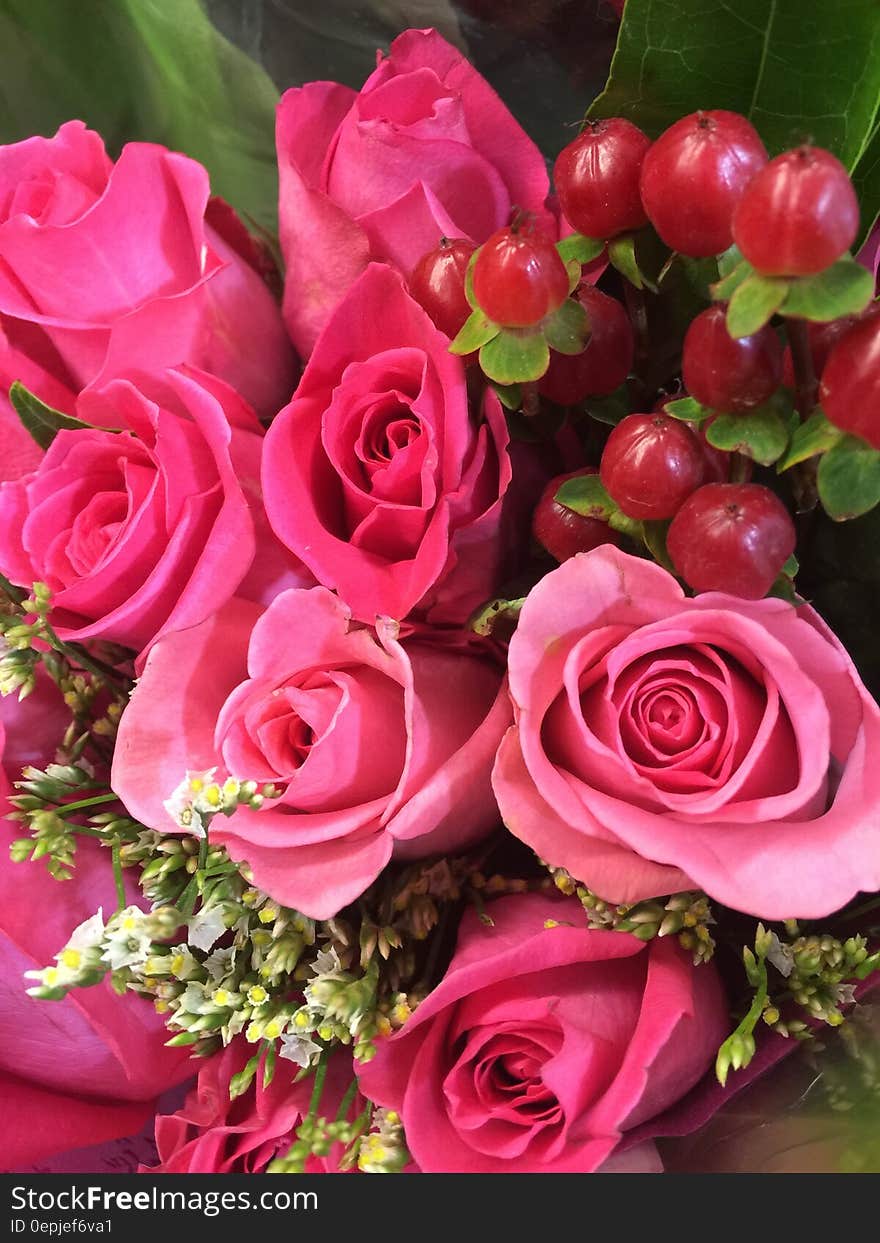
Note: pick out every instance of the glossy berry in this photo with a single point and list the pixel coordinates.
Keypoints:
(603, 365)
(822, 338)
(651, 464)
(693, 177)
(597, 178)
(519, 277)
(563, 532)
(850, 391)
(799, 214)
(437, 282)
(726, 373)
(732, 537)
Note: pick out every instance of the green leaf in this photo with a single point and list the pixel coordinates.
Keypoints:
(761, 434)
(797, 69)
(166, 75)
(510, 395)
(581, 249)
(469, 281)
(815, 436)
(866, 179)
(610, 409)
(587, 496)
(654, 535)
(568, 329)
(475, 331)
(843, 289)
(729, 261)
(849, 479)
(687, 409)
(514, 357)
(41, 422)
(753, 303)
(791, 567)
(724, 289)
(496, 616)
(619, 521)
(622, 256)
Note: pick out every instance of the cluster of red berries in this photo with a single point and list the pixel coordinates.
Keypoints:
(704, 185)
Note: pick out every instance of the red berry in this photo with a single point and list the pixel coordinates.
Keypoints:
(798, 215)
(732, 537)
(822, 338)
(726, 373)
(597, 178)
(850, 392)
(437, 282)
(651, 464)
(603, 365)
(519, 277)
(693, 177)
(563, 532)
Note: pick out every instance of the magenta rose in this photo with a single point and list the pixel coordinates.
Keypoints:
(380, 747)
(112, 267)
(213, 1134)
(664, 743)
(378, 476)
(545, 1043)
(426, 149)
(86, 1069)
(148, 529)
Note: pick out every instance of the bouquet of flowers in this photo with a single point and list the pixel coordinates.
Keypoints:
(419, 749)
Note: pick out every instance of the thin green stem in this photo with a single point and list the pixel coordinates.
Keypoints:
(67, 808)
(118, 877)
(318, 1088)
(345, 1103)
(79, 656)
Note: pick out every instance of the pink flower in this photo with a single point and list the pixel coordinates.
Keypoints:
(377, 475)
(542, 1046)
(379, 746)
(108, 267)
(663, 743)
(138, 533)
(86, 1069)
(211, 1134)
(425, 150)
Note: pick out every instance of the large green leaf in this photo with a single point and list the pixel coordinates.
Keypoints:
(799, 69)
(154, 70)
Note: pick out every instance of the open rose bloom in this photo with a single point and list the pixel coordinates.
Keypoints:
(415, 757)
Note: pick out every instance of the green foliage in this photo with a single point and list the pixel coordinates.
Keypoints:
(849, 478)
(40, 421)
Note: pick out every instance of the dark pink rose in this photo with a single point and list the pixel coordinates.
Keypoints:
(664, 743)
(211, 1134)
(151, 528)
(114, 267)
(426, 149)
(88, 1068)
(381, 747)
(377, 474)
(543, 1045)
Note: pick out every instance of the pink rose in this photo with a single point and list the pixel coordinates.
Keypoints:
(111, 267)
(139, 533)
(211, 1134)
(542, 1046)
(380, 747)
(425, 150)
(378, 476)
(664, 743)
(88, 1068)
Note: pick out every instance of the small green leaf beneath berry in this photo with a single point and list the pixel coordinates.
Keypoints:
(568, 329)
(687, 409)
(42, 422)
(761, 434)
(724, 289)
(586, 495)
(815, 436)
(849, 479)
(654, 535)
(610, 409)
(729, 261)
(515, 357)
(622, 256)
(510, 395)
(791, 566)
(581, 249)
(845, 288)
(475, 332)
(469, 281)
(753, 303)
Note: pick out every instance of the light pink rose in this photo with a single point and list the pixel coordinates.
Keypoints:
(211, 1134)
(378, 476)
(664, 743)
(112, 267)
(381, 747)
(426, 149)
(542, 1046)
(88, 1068)
(151, 528)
